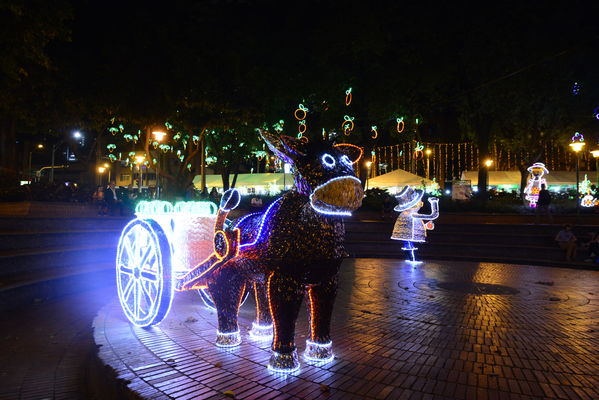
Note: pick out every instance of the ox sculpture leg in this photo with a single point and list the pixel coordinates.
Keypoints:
(226, 288)
(321, 298)
(285, 295)
(262, 327)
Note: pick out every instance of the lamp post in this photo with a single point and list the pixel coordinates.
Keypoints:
(428, 163)
(577, 146)
(139, 161)
(368, 164)
(39, 146)
(101, 171)
(595, 154)
(77, 135)
(159, 137)
(488, 164)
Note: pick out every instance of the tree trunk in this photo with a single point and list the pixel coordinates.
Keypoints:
(225, 177)
(8, 143)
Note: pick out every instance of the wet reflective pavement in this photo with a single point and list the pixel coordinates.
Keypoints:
(452, 330)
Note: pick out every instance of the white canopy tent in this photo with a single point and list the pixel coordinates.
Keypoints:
(396, 180)
(250, 183)
(512, 178)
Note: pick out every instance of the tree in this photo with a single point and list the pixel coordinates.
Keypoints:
(28, 29)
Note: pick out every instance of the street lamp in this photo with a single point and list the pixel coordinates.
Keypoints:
(101, 171)
(139, 160)
(39, 146)
(577, 146)
(368, 164)
(428, 163)
(595, 154)
(159, 137)
(76, 135)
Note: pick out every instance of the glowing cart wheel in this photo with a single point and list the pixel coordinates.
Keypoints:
(207, 299)
(144, 272)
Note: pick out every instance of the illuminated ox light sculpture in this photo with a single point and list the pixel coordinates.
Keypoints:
(295, 246)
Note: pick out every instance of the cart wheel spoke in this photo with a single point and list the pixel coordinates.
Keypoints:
(128, 289)
(149, 276)
(123, 269)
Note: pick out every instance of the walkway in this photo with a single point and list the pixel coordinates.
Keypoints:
(452, 330)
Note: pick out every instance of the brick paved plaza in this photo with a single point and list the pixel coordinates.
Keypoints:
(434, 330)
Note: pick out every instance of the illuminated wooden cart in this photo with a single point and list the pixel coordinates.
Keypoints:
(161, 248)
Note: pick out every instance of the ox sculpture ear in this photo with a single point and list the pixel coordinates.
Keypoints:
(286, 148)
(353, 152)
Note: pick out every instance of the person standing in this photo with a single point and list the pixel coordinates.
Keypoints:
(112, 200)
(543, 204)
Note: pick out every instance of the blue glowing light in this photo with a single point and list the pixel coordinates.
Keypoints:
(229, 339)
(144, 272)
(261, 332)
(326, 347)
(262, 223)
(345, 160)
(328, 161)
(227, 198)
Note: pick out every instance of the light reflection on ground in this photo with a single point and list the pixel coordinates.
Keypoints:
(395, 331)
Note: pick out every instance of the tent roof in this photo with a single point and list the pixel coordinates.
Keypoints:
(513, 177)
(397, 178)
(247, 180)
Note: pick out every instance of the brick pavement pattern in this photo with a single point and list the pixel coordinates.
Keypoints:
(437, 330)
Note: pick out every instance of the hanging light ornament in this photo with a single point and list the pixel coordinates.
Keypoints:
(195, 139)
(418, 151)
(128, 137)
(112, 157)
(177, 136)
(189, 167)
(301, 128)
(301, 112)
(279, 126)
(155, 144)
(113, 130)
(375, 133)
(400, 125)
(135, 138)
(347, 125)
(111, 147)
(168, 126)
(121, 128)
(348, 97)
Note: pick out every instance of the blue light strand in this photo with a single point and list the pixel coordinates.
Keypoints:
(262, 222)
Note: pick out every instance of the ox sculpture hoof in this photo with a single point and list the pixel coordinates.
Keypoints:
(228, 339)
(320, 353)
(284, 362)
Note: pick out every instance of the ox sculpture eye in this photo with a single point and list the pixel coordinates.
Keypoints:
(328, 161)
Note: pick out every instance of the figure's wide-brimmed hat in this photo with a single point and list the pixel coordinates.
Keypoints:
(538, 165)
(408, 198)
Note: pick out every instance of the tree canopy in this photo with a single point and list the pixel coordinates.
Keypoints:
(489, 72)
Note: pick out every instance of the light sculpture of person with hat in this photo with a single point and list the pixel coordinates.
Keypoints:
(410, 226)
(532, 189)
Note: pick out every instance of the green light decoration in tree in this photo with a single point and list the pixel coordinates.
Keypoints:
(278, 126)
(111, 147)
